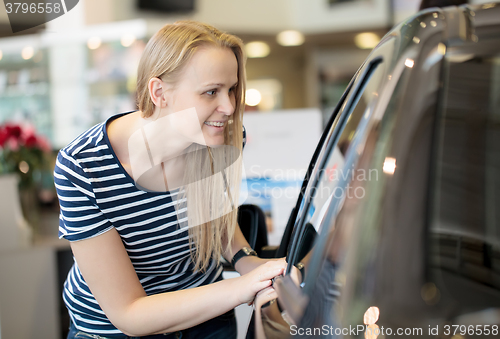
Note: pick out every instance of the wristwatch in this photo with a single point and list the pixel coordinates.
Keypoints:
(244, 252)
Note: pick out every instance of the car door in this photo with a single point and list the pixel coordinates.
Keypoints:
(355, 164)
(417, 253)
(328, 181)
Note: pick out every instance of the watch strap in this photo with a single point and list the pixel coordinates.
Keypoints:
(244, 252)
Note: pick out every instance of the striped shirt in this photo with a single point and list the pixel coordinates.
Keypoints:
(95, 195)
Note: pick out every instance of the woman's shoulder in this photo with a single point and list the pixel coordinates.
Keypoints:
(93, 140)
(86, 141)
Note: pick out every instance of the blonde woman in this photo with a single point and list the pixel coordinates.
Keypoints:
(148, 199)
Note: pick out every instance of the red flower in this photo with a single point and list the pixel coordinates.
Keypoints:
(3, 136)
(13, 144)
(14, 136)
(31, 141)
(13, 131)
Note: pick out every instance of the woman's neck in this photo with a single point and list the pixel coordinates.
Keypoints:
(132, 135)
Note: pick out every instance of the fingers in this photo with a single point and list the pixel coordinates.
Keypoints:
(266, 295)
(258, 286)
(263, 284)
(261, 278)
(271, 269)
(266, 291)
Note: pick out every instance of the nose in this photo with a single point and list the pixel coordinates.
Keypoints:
(226, 105)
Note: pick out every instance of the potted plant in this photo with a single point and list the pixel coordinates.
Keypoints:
(22, 156)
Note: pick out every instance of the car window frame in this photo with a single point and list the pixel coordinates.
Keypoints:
(293, 298)
(286, 244)
(336, 129)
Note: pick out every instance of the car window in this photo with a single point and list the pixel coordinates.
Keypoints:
(464, 237)
(325, 137)
(424, 251)
(330, 184)
(356, 259)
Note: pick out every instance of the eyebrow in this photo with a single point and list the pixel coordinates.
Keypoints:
(218, 84)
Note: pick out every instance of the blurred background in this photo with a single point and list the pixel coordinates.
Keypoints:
(60, 78)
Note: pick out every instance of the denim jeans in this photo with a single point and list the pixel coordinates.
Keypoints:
(221, 327)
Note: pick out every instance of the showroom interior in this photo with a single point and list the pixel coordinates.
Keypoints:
(62, 77)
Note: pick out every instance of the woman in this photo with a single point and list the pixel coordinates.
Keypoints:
(147, 199)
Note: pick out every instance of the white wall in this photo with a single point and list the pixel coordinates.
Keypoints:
(28, 294)
(317, 16)
(257, 16)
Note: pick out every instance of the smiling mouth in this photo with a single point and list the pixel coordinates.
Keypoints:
(214, 123)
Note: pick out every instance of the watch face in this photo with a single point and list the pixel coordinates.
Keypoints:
(246, 250)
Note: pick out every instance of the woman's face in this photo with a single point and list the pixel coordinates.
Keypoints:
(207, 84)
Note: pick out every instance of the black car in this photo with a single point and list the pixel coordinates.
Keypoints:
(398, 221)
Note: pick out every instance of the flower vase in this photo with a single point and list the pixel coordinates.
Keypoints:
(29, 206)
(15, 231)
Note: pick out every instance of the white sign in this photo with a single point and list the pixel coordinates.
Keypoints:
(280, 144)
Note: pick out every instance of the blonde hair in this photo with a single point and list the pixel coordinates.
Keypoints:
(165, 57)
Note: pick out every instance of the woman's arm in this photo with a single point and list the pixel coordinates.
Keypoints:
(245, 264)
(107, 269)
(249, 263)
(268, 321)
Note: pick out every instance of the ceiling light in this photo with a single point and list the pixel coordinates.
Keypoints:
(94, 42)
(366, 40)
(127, 40)
(389, 166)
(371, 315)
(441, 48)
(257, 49)
(27, 52)
(409, 63)
(24, 167)
(252, 97)
(290, 38)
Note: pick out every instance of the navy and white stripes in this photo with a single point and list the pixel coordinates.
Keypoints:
(96, 194)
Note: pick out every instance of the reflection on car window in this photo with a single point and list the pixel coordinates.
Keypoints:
(333, 177)
(465, 235)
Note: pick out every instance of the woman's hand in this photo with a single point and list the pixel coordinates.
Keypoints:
(264, 296)
(258, 279)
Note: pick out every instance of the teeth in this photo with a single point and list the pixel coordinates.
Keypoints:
(213, 123)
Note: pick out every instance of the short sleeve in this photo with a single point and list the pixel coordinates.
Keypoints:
(79, 217)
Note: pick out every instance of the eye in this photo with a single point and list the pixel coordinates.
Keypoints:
(211, 92)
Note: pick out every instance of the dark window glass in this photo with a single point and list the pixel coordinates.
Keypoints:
(465, 233)
(332, 184)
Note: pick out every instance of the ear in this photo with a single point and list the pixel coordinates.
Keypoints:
(157, 92)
